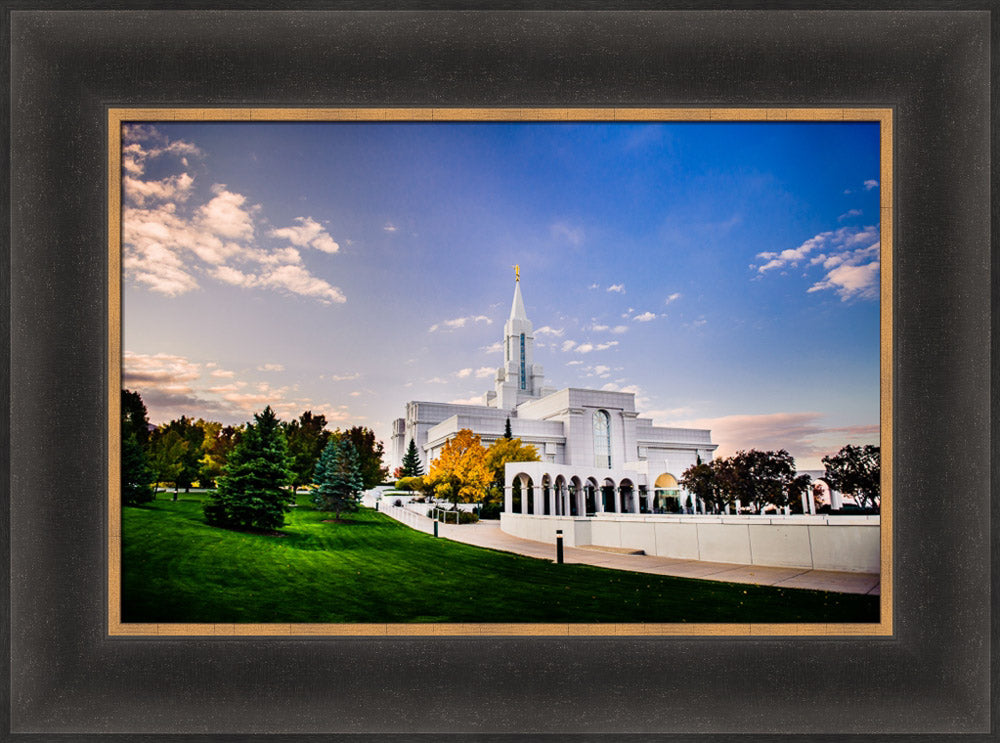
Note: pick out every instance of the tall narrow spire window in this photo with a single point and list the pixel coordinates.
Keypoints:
(524, 379)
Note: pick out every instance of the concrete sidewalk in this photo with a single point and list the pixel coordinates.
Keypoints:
(488, 534)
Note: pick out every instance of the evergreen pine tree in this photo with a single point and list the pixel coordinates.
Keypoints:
(337, 477)
(251, 492)
(411, 462)
(136, 474)
(506, 429)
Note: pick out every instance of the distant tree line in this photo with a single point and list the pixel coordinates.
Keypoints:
(254, 468)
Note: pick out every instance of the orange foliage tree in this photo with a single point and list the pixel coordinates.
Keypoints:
(460, 472)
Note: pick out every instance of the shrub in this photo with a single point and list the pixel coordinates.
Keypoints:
(398, 503)
(490, 511)
(466, 517)
(410, 484)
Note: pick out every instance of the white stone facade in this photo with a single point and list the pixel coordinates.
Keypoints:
(582, 429)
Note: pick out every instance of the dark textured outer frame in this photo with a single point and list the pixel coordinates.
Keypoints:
(932, 677)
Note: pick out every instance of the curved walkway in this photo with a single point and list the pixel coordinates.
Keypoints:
(488, 534)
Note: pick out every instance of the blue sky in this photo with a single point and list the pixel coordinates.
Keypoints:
(727, 273)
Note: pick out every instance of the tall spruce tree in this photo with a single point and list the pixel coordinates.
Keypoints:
(506, 429)
(251, 492)
(136, 474)
(411, 462)
(337, 477)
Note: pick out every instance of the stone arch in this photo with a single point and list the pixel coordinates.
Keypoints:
(592, 492)
(666, 493)
(627, 496)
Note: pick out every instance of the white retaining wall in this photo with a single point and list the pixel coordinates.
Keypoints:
(849, 543)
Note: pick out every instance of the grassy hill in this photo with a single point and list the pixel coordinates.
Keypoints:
(175, 568)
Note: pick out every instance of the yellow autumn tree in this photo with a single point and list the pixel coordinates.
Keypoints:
(460, 472)
(506, 450)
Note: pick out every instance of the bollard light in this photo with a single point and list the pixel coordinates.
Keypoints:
(435, 527)
(559, 547)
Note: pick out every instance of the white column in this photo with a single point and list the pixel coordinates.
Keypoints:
(581, 502)
(739, 506)
(539, 500)
(552, 501)
(508, 499)
(836, 500)
(617, 497)
(634, 501)
(598, 500)
(812, 503)
(564, 497)
(805, 504)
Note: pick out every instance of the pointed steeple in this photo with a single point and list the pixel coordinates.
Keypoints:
(517, 306)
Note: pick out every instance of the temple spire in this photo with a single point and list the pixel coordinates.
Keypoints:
(517, 306)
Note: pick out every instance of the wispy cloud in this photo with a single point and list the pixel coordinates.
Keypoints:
(271, 368)
(565, 232)
(849, 214)
(645, 317)
(546, 330)
(849, 255)
(802, 434)
(307, 232)
(870, 184)
(390, 227)
(620, 288)
(459, 322)
(672, 298)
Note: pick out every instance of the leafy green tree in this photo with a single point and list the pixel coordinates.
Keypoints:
(338, 478)
(369, 454)
(412, 466)
(762, 478)
(306, 438)
(167, 451)
(703, 482)
(250, 493)
(856, 471)
(194, 436)
(215, 451)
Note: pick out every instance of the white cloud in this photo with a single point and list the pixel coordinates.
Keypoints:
(564, 232)
(801, 434)
(575, 362)
(870, 184)
(168, 246)
(620, 288)
(546, 330)
(568, 345)
(599, 328)
(619, 329)
(645, 317)
(271, 367)
(493, 347)
(474, 400)
(485, 372)
(849, 213)
(223, 373)
(849, 255)
(460, 322)
(594, 286)
(463, 373)
(308, 233)
(673, 298)
(345, 377)
(589, 347)
(390, 227)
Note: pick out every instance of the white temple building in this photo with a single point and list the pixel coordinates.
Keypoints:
(597, 453)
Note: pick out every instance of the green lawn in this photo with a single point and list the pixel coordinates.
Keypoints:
(175, 568)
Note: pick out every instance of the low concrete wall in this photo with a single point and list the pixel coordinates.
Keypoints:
(849, 543)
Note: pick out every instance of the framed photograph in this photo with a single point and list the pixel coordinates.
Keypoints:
(645, 499)
(197, 196)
